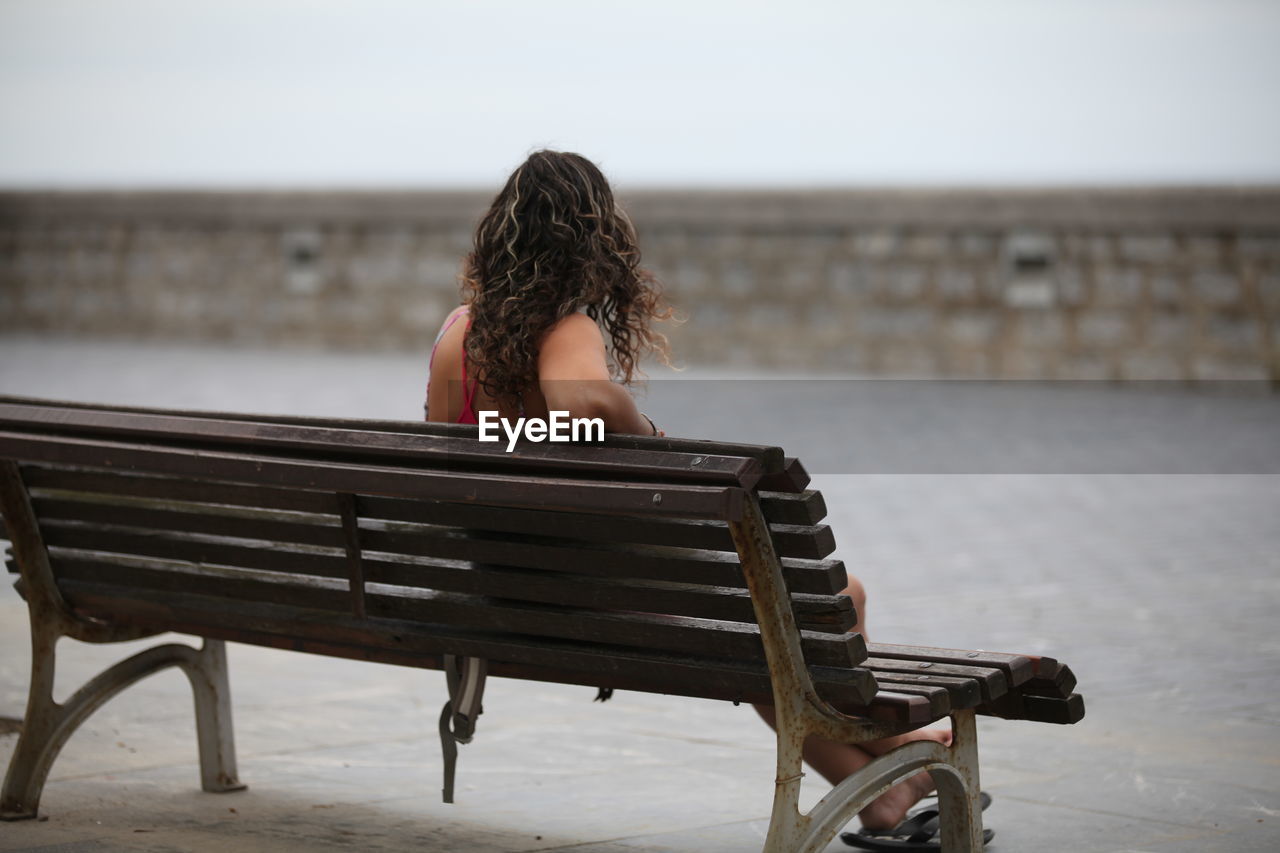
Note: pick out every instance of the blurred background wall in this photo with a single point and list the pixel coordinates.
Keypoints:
(1101, 284)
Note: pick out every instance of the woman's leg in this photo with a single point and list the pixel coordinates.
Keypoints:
(835, 760)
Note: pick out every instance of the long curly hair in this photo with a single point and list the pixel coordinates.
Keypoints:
(554, 242)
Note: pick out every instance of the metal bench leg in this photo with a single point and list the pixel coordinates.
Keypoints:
(960, 815)
(954, 770)
(207, 672)
(48, 724)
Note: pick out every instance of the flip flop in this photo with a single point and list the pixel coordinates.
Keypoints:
(917, 832)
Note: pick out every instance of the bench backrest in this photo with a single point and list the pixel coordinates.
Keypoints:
(610, 565)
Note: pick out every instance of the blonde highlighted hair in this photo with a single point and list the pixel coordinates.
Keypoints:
(553, 242)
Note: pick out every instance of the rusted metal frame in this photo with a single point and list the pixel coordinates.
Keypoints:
(48, 724)
(800, 712)
(355, 564)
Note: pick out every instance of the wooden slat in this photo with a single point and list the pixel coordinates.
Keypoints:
(1016, 668)
(535, 492)
(1040, 709)
(156, 544)
(813, 612)
(203, 616)
(54, 488)
(555, 579)
(792, 478)
(587, 591)
(741, 465)
(990, 681)
(319, 531)
(1047, 709)
(1061, 685)
(1052, 678)
(804, 508)
(605, 560)
(175, 489)
(804, 542)
(961, 692)
(926, 703)
(771, 459)
(623, 628)
(898, 706)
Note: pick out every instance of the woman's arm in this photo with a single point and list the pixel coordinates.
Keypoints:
(573, 375)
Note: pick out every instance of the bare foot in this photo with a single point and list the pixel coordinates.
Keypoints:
(890, 808)
(886, 744)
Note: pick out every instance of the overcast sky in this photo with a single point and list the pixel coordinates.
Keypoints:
(381, 93)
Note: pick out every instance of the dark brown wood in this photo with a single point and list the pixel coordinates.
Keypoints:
(1016, 668)
(807, 507)
(790, 541)
(351, 543)
(792, 478)
(911, 705)
(251, 621)
(820, 613)
(325, 531)
(597, 559)
(520, 612)
(990, 681)
(1048, 709)
(805, 542)
(521, 491)
(1040, 709)
(771, 459)
(1056, 681)
(168, 489)
(224, 540)
(450, 452)
(271, 557)
(961, 692)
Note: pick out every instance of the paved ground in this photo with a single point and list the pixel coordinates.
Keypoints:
(1135, 534)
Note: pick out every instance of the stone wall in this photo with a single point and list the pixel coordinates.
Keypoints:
(1124, 284)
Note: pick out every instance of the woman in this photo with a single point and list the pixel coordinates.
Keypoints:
(554, 269)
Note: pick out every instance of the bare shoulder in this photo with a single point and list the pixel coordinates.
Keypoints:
(573, 349)
(574, 330)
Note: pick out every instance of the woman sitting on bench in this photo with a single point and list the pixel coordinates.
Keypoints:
(554, 268)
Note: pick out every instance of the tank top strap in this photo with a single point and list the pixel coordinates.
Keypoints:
(468, 414)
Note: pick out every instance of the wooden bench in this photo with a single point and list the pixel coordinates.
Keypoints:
(655, 564)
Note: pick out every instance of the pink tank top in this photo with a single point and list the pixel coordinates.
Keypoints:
(468, 413)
